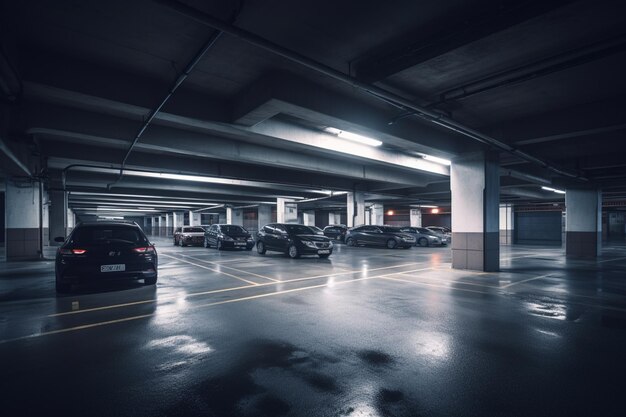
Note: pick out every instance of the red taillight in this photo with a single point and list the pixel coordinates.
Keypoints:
(72, 251)
(145, 249)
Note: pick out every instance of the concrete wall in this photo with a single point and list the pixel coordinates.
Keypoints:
(22, 221)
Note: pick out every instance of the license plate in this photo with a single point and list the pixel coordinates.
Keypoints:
(338, 238)
(240, 243)
(113, 268)
(323, 252)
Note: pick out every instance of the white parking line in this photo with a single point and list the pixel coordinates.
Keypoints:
(211, 269)
(231, 268)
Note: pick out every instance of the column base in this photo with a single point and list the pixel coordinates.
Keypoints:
(476, 251)
(22, 244)
(582, 244)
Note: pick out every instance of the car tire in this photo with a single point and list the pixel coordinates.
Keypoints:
(350, 242)
(206, 243)
(423, 242)
(324, 256)
(391, 244)
(260, 248)
(292, 252)
(219, 245)
(150, 281)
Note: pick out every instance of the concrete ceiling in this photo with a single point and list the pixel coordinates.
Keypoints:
(79, 78)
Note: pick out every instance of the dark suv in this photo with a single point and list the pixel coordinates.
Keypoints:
(228, 236)
(294, 240)
(390, 237)
(100, 251)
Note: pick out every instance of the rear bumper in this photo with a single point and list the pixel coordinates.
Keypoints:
(75, 274)
(193, 240)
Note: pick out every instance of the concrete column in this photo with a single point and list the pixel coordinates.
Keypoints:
(377, 214)
(415, 217)
(194, 219)
(178, 219)
(22, 221)
(234, 216)
(163, 225)
(506, 224)
(71, 220)
(286, 211)
(57, 215)
(356, 209)
(475, 187)
(308, 218)
(169, 224)
(331, 218)
(583, 223)
(46, 218)
(264, 215)
(155, 226)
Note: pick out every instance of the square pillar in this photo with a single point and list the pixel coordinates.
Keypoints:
(308, 218)
(286, 211)
(57, 216)
(169, 224)
(506, 224)
(415, 217)
(264, 215)
(475, 188)
(194, 219)
(377, 214)
(583, 223)
(356, 208)
(22, 207)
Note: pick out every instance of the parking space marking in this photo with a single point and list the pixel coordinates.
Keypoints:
(211, 269)
(453, 282)
(230, 267)
(526, 280)
(142, 316)
(196, 294)
(390, 278)
(611, 260)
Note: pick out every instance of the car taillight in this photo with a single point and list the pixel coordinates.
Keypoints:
(72, 251)
(145, 249)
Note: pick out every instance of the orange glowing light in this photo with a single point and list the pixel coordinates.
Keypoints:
(435, 211)
(390, 213)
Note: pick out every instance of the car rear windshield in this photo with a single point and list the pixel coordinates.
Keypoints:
(97, 235)
(193, 230)
(232, 229)
(298, 229)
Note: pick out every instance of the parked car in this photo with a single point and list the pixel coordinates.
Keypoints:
(189, 235)
(317, 230)
(228, 236)
(99, 251)
(423, 236)
(391, 237)
(336, 232)
(443, 232)
(293, 239)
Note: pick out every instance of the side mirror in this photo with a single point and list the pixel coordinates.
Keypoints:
(59, 239)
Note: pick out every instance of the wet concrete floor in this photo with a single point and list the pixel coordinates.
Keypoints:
(368, 332)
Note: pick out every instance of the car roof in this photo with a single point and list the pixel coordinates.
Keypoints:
(129, 223)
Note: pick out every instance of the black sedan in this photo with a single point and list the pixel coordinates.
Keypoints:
(336, 232)
(228, 236)
(294, 240)
(99, 251)
(391, 237)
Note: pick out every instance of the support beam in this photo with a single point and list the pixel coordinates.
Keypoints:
(415, 217)
(583, 223)
(506, 224)
(474, 184)
(22, 206)
(264, 215)
(286, 211)
(356, 208)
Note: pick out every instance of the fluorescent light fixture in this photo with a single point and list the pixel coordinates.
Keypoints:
(423, 206)
(436, 159)
(353, 137)
(554, 190)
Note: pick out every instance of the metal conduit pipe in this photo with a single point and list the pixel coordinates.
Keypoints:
(177, 83)
(380, 93)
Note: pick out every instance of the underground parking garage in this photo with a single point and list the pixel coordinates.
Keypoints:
(321, 208)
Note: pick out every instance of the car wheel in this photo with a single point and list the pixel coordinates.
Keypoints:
(260, 248)
(292, 251)
(206, 243)
(219, 245)
(423, 242)
(350, 242)
(150, 281)
(324, 256)
(391, 243)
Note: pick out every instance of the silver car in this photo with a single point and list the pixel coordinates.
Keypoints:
(443, 232)
(423, 236)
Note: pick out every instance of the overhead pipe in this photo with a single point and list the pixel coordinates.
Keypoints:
(177, 83)
(380, 93)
